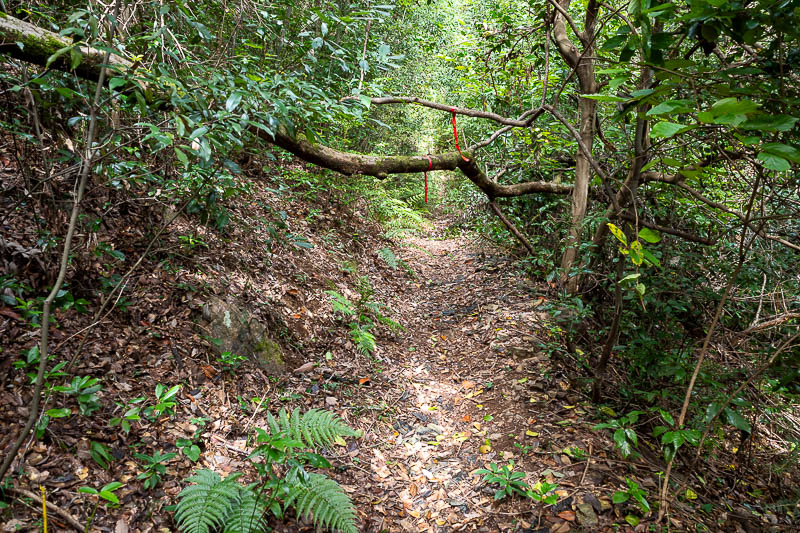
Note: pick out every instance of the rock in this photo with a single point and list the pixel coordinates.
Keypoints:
(586, 516)
(233, 330)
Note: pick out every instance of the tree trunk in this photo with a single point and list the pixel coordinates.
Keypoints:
(580, 192)
(583, 65)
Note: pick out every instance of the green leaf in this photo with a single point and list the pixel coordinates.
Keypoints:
(181, 156)
(620, 497)
(732, 106)
(59, 413)
(792, 153)
(770, 123)
(646, 234)
(630, 277)
(87, 490)
(633, 520)
(773, 162)
(233, 101)
(60, 52)
(604, 98)
(667, 129)
(75, 57)
(671, 107)
(737, 420)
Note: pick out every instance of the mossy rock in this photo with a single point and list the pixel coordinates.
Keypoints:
(232, 329)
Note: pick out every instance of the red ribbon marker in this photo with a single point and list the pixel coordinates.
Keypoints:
(455, 133)
(430, 166)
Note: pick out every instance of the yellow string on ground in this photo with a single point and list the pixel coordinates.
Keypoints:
(44, 509)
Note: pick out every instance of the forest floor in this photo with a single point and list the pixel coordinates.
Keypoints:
(473, 378)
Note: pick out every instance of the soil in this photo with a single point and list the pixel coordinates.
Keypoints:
(474, 378)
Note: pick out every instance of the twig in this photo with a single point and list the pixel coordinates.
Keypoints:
(588, 462)
(68, 518)
(33, 411)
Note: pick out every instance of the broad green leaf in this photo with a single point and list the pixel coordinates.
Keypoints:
(732, 106)
(233, 101)
(181, 156)
(712, 410)
(620, 497)
(671, 106)
(667, 129)
(75, 56)
(792, 153)
(604, 98)
(737, 420)
(773, 162)
(630, 277)
(646, 234)
(640, 289)
(60, 52)
(59, 413)
(770, 123)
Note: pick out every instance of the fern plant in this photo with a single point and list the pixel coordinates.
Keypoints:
(367, 311)
(389, 257)
(362, 338)
(211, 503)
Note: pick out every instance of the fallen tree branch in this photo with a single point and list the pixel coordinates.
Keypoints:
(38, 45)
(776, 321)
(511, 227)
(381, 166)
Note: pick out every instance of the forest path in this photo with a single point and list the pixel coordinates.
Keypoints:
(468, 385)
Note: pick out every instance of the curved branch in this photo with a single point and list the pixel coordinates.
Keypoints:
(519, 122)
(381, 166)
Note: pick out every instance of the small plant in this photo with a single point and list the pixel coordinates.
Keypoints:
(165, 402)
(191, 242)
(541, 490)
(131, 414)
(106, 493)
(85, 390)
(509, 482)
(231, 361)
(624, 435)
(154, 466)
(288, 444)
(189, 449)
(632, 492)
(362, 338)
(388, 257)
(101, 454)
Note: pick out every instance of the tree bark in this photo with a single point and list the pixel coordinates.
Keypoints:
(381, 166)
(583, 64)
(32, 44)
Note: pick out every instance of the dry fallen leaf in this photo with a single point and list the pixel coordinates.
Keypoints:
(304, 367)
(567, 515)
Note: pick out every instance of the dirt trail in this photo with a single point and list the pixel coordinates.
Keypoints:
(467, 385)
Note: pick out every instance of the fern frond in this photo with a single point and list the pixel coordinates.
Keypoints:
(322, 499)
(388, 256)
(204, 505)
(363, 339)
(313, 428)
(247, 514)
(340, 304)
